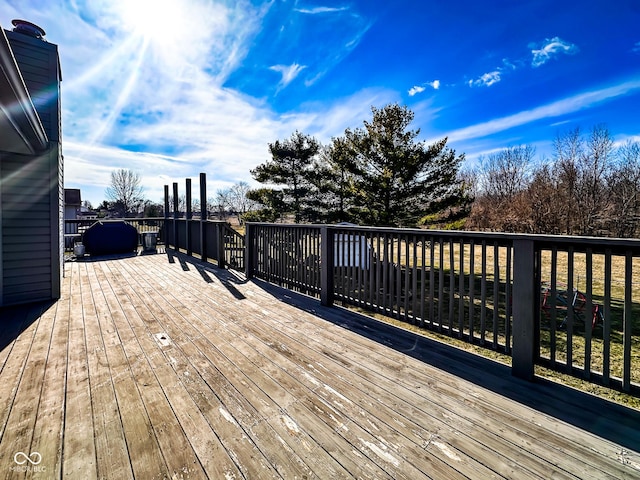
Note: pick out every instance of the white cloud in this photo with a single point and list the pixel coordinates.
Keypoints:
(551, 48)
(288, 72)
(486, 80)
(565, 106)
(636, 47)
(621, 141)
(316, 10)
(421, 88)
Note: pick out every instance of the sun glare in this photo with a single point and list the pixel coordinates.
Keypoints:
(160, 22)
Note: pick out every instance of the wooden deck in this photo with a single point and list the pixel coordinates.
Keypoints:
(159, 367)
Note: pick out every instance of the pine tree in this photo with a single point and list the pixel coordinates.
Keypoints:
(290, 165)
(399, 181)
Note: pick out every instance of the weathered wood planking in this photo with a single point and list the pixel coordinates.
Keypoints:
(148, 368)
(269, 336)
(146, 459)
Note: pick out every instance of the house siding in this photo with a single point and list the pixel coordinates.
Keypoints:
(31, 187)
(30, 261)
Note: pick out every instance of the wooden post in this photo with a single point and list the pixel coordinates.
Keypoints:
(203, 216)
(188, 215)
(525, 308)
(166, 216)
(176, 241)
(326, 266)
(249, 252)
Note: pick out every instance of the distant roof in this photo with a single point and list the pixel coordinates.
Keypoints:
(72, 196)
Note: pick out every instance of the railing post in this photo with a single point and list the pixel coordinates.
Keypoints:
(220, 231)
(525, 308)
(176, 240)
(326, 266)
(188, 215)
(249, 253)
(203, 216)
(166, 216)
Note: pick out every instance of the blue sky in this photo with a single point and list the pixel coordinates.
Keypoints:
(171, 88)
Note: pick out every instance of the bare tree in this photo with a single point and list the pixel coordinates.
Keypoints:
(238, 200)
(543, 198)
(624, 187)
(569, 148)
(594, 166)
(221, 203)
(506, 173)
(125, 191)
(182, 203)
(499, 189)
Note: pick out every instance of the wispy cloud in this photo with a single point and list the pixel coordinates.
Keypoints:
(551, 48)
(636, 48)
(486, 80)
(421, 88)
(288, 72)
(491, 78)
(317, 10)
(565, 106)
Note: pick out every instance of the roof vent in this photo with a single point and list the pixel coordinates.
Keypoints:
(28, 28)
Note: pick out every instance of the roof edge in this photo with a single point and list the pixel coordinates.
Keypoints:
(16, 108)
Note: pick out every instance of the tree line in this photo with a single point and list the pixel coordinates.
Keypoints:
(125, 198)
(381, 175)
(590, 186)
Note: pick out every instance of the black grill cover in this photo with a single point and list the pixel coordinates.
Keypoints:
(104, 238)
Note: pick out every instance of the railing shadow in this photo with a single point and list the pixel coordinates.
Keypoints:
(596, 415)
(209, 272)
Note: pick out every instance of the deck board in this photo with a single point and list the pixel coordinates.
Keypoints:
(158, 366)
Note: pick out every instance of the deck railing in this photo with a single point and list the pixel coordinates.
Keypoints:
(222, 244)
(208, 239)
(74, 229)
(566, 303)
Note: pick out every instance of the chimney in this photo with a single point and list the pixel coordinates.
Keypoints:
(28, 28)
(39, 64)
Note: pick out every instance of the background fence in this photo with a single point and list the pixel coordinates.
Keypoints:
(74, 229)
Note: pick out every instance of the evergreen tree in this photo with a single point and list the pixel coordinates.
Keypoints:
(333, 181)
(399, 181)
(291, 165)
(268, 205)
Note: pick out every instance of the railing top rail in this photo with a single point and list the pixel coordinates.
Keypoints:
(562, 242)
(107, 220)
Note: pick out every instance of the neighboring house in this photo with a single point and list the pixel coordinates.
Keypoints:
(86, 214)
(72, 203)
(31, 167)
